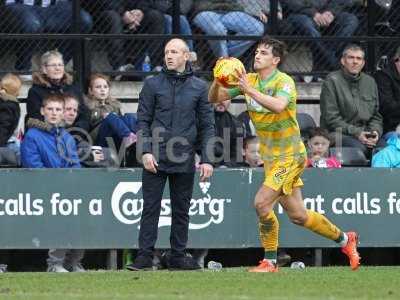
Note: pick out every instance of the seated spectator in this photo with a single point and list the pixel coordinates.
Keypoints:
(349, 103)
(231, 131)
(219, 17)
(107, 19)
(52, 79)
(318, 150)
(140, 16)
(388, 81)
(27, 16)
(47, 145)
(251, 153)
(250, 130)
(388, 157)
(89, 155)
(106, 120)
(165, 6)
(10, 86)
(316, 18)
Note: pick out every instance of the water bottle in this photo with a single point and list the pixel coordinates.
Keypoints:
(214, 266)
(297, 265)
(146, 65)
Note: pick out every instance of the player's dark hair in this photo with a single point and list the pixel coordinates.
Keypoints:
(279, 48)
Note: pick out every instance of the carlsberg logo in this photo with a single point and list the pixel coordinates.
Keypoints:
(127, 206)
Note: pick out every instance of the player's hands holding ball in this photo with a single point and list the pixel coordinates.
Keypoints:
(243, 83)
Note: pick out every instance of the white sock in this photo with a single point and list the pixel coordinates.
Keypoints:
(345, 240)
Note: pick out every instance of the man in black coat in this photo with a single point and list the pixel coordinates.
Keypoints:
(388, 81)
(174, 117)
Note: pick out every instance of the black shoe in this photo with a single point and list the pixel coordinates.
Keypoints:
(184, 263)
(141, 263)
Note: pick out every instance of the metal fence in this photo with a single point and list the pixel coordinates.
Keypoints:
(126, 37)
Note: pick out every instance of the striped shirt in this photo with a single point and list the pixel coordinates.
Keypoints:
(279, 133)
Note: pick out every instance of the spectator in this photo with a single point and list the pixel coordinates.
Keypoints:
(318, 150)
(106, 119)
(165, 6)
(107, 19)
(349, 103)
(52, 79)
(10, 86)
(140, 16)
(315, 18)
(47, 145)
(231, 131)
(261, 10)
(89, 155)
(27, 16)
(251, 153)
(388, 157)
(250, 130)
(388, 81)
(219, 17)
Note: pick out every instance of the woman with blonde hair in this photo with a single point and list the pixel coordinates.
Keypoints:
(53, 79)
(106, 119)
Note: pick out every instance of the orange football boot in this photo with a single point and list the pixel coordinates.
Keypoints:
(351, 250)
(265, 266)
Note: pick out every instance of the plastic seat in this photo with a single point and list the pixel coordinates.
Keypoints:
(306, 123)
(349, 156)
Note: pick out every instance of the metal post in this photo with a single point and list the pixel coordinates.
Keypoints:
(273, 18)
(77, 45)
(112, 256)
(176, 11)
(371, 53)
(87, 66)
(318, 257)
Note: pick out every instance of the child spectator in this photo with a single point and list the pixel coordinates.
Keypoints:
(318, 146)
(10, 87)
(389, 157)
(251, 153)
(47, 145)
(106, 119)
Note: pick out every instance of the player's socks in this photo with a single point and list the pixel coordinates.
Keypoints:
(269, 231)
(342, 240)
(322, 226)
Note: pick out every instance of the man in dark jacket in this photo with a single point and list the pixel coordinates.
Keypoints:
(316, 17)
(173, 114)
(388, 81)
(349, 103)
(232, 132)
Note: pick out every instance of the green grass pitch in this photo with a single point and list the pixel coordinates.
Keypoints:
(236, 283)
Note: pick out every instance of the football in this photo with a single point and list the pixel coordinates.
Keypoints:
(224, 71)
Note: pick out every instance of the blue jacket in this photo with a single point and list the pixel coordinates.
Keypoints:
(54, 148)
(388, 157)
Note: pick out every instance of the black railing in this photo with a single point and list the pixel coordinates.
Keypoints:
(376, 33)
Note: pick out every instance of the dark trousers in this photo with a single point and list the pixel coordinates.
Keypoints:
(325, 55)
(36, 19)
(117, 127)
(181, 188)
